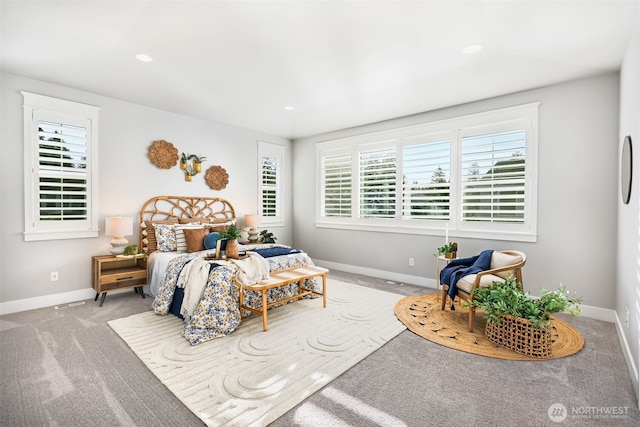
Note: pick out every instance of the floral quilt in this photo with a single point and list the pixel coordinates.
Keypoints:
(218, 312)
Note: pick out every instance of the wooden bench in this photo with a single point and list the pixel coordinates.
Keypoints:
(281, 278)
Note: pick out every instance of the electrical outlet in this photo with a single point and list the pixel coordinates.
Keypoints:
(54, 276)
(411, 262)
(626, 320)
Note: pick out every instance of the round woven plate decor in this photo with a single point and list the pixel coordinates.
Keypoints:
(163, 154)
(422, 315)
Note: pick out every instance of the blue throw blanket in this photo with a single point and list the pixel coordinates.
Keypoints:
(459, 268)
(277, 251)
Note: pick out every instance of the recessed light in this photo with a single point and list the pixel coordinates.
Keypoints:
(289, 108)
(472, 48)
(143, 57)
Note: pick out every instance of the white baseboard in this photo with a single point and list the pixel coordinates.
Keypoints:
(633, 369)
(382, 274)
(45, 301)
(54, 299)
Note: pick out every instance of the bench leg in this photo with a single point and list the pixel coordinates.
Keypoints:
(324, 291)
(264, 309)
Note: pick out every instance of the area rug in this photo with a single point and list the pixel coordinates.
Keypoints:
(422, 315)
(251, 377)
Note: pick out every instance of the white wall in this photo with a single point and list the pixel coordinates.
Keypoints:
(628, 250)
(126, 180)
(577, 199)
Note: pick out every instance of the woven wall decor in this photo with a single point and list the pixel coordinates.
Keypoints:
(217, 178)
(163, 154)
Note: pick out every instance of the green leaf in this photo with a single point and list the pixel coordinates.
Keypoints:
(510, 298)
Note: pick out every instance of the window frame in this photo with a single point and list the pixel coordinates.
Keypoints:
(39, 107)
(276, 151)
(456, 128)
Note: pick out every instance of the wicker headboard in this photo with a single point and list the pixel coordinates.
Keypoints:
(163, 208)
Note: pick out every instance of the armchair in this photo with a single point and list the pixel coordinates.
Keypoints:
(503, 264)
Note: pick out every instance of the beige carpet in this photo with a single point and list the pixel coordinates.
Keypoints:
(423, 315)
(251, 377)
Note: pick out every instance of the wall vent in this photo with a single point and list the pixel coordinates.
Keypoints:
(70, 304)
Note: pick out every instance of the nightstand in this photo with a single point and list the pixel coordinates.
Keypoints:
(110, 273)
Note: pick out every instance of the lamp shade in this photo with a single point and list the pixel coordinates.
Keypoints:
(251, 220)
(118, 226)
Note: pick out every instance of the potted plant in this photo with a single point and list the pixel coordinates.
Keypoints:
(267, 237)
(132, 251)
(197, 162)
(184, 158)
(518, 321)
(449, 250)
(232, 234)
(189, 173)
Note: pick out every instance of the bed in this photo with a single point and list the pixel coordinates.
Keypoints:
(179, 236)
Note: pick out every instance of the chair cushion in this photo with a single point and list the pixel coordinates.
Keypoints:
(500, 259)
(466, 283)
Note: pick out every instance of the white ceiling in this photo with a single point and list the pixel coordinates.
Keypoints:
(339, 63)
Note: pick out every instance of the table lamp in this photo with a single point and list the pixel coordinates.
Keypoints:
(118, 227)
(252, 221)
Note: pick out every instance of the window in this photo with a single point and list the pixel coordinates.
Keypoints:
(493, 176)
(426, 177)
(336, 185)
(377, 193)
(475, 174)
(60, 168)
(270, 179)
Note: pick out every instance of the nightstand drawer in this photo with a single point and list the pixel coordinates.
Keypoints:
(122, 279)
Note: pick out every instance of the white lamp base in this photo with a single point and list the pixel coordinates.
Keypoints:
(118, 244)
(253, 235)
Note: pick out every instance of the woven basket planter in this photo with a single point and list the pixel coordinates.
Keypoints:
(519, 335)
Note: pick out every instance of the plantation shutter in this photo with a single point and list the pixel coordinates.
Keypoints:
(493, 176)
(270, 183)
(336, 185)
(377, 174)
(62, 177)
(270, 187)
(426, 169)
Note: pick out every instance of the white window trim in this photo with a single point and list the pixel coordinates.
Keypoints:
(457, 228)
(267, 149)
(33, 103)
